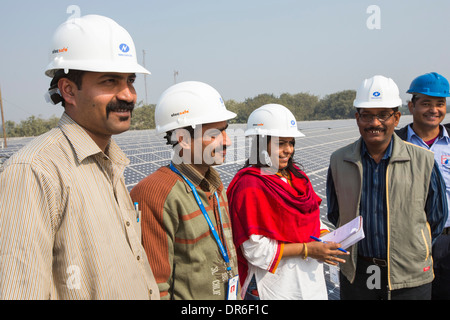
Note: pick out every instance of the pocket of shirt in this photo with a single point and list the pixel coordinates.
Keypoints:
(445, 171)
(135, 222)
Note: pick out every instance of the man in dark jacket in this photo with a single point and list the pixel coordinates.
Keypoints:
(428, 107)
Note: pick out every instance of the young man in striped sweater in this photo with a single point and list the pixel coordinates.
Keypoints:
(186, 229)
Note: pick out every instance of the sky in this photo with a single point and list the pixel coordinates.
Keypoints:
(240, 47)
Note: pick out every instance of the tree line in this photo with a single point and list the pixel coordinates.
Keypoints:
(304, 106)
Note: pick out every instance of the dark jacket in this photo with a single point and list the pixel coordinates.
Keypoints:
(403, 132)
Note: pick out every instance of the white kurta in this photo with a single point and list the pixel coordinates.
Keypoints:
(294, 278)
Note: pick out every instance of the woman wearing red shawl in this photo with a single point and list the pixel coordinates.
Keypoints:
(274, 211)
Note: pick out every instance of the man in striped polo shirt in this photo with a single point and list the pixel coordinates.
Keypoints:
(68, 225)
(185, 222)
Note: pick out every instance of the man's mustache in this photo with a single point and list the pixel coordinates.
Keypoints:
(375, 129)
(119, 105)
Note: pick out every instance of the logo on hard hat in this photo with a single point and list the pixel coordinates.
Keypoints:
(258, 124)
(293, 122)
(179, 113)
(124, 48)
(59, 50)
(376, 94)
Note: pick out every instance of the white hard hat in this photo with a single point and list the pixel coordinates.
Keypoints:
(92, 43)
(189, 103)
(378, 92)
(272, 120)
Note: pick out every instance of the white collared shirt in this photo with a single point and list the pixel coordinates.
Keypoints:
(441, 150)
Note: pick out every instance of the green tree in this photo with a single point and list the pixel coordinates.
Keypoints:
(338, 105)
(233, 106)
(302, 105)
(10, 128)
(143, 117)
(249, 105)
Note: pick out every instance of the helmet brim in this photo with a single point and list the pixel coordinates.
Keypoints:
(97, 66)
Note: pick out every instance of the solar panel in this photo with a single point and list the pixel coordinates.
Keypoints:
(148, 151)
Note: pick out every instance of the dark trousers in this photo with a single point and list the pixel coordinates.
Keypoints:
(363, 286)
(441, 263)
(252, 290)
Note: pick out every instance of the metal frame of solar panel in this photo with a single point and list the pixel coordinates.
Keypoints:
(148, 151)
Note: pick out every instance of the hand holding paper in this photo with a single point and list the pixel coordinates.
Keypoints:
(348, 234)
(320, 240)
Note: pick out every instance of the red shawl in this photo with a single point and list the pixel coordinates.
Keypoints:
(263, 204)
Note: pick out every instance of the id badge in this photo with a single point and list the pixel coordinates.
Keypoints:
(233, 288)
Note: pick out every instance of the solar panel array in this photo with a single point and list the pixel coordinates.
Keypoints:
(148, 151)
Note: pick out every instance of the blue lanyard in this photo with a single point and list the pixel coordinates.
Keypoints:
(223, 250)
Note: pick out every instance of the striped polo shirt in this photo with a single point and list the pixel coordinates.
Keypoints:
(68, 228)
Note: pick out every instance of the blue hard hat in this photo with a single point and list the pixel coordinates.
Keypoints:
(431, 84)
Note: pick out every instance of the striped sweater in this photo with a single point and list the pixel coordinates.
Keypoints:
(181, 249)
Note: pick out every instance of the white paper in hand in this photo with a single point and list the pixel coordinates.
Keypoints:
(348, 234)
